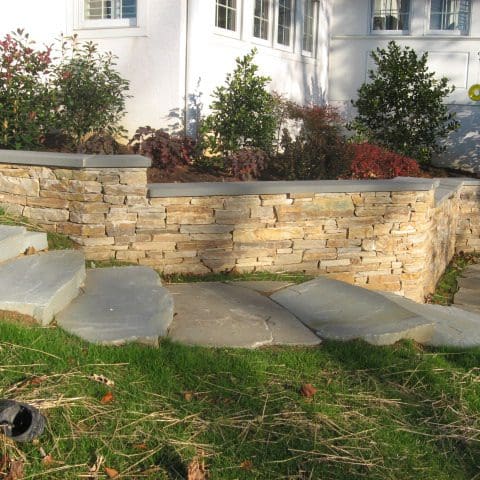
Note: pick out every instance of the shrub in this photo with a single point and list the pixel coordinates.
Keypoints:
(242, 111)
(247, 163)
(26, 101)
(90, 93)
(372, 161)
(166, 151)
(318, 151)
(402, 106)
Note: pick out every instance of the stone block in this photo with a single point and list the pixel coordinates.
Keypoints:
(89, 207)
(46, 214)
(96, 218)
(119, 228)
(19, 186)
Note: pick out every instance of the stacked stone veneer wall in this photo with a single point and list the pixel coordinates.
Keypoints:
(396, 239)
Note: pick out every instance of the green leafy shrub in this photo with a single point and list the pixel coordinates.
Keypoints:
(242, 111)
(402, 106)
(90, 92)
(166, 151)
(372, 161)
(26, 101)
(319, 151)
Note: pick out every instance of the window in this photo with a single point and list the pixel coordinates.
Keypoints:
(261, 19)
(110, 9)
(284, 22)
(450, 15)
(390, 15)
(308, 26)
(226, 14)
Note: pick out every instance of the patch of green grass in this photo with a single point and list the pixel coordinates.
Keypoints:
(232, 277)
(56, 241)
(396, 412)
(447, 286)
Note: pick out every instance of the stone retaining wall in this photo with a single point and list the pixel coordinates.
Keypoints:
(385, 235)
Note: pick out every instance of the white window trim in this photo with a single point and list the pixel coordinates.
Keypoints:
(123, 27)
(293, 23)
(313, 53)
(406, 31)
(237, 33)
(447, 33)
(271, 21)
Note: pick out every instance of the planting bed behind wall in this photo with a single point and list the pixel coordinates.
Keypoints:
(394, 235)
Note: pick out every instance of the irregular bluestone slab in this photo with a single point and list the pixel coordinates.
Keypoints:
(225, 315)
(339, 311)
(453, 326)
(120, 305)
(41, 285)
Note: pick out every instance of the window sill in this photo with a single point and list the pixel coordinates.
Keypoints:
(109, 31)
(390, 32)
(224, 32)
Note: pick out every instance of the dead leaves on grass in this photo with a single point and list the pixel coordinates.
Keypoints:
(107, 398)
(11, 469)
(308, 390)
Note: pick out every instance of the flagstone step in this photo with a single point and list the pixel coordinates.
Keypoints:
(217, 314)
(120, 305)
(14, 241)
(41, 285)
(338, 311)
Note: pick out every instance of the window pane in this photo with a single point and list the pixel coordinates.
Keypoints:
(226, 14)
(308, 24)
(261, 19)
(284, 22)
(390, 14)
(450, 15)
(110, 9)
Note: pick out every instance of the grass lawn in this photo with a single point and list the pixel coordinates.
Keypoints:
(400, 412)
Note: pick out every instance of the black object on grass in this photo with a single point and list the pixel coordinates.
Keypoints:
(20, 421)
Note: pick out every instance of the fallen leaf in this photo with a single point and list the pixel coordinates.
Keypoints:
(107, 398)
(188, 396)
(111, 472)
(308, 390)
(30, 251)
(37, 380)
(246, 465)
(196, 470)
(16, 470)
(141, 446)
(47, 460)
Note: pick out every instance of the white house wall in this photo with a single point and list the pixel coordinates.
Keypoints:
(454, 56)
(151, 55)
(212, 54)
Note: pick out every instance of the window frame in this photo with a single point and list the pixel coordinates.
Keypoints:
(237, 33)
(405, 31)
(271, 22)
(105, 23)
(313, 53)
(293, 19)
(450, 33)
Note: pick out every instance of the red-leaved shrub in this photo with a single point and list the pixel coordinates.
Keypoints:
(166, 151)
(372, 161)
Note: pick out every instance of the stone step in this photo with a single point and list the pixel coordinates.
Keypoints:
(120, 305)
(454, 326)
(235, 315)
(338, 311)
(14, 241)
(41, 285)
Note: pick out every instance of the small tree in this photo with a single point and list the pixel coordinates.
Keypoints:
(90, 92)
(402, 106)
(242, 111)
